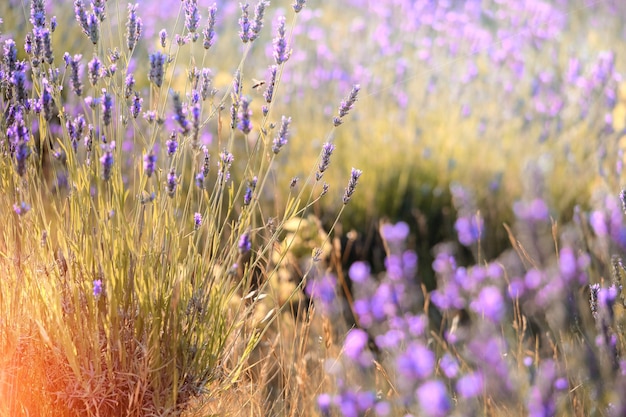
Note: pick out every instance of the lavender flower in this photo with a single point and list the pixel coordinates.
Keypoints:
(281, 139)
(172, 144)
(97, 288)
(433, 399)
(129, 84)
(225, 162)
(81, 15)
(355, 346)
(76, 84)
(157, 63)
(21, 209)
(133, 27)
(346, 105)
(269, 92)
(107, 161)
(192, 18)
(162, 37)
(180, 115)
(298, 5)
(135, 108)
(46, 99)
(209, 31)
(247, 197)
(327, 151)
(200, 180)
(206, 164)
(245, 113)
(244, 24)
(44, 35)
(107, 107)
(38, 13)
(98, 9)
(10, 55)
(149, 163)
(257, 25)
(354, 178)
(19, 86)
(197, 220)
(93, 28)
(95, 70)
(22, 152)
(281, 49)
(172, 182)
(245, 244)
(206, 88)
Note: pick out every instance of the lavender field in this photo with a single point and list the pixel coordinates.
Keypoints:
(312, 208)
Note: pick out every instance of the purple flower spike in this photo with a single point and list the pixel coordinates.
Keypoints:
(245, 244)
(489, 304)
(352, 183)
(470, 385)
(281, 139)
(209, 31)
(197, 220)
(281, 49)
(97, 288)
(355, 347)
(346, 105)
(433, 399)
(327, 151)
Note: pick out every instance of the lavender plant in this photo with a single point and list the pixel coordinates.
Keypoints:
(133, 236)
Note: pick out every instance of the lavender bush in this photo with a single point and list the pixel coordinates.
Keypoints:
(133, 186)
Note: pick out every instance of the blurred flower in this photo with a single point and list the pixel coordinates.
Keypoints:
(97, 288)
(470, 385)
(433, 399)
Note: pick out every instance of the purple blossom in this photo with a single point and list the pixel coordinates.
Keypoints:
(172, 183)
(282, 52)
(209, 31)
(449, 365)
(107, 107)
(268, 94)
(244, 24)
(172, 144)
(489, 304)
(433, 399)
(257, 25)
(157, 68)
(352, 183)
(346, 105)
(10, 55)
(180, 115)
(192, 18)
(206, 89)
(75, 82)
(21, 209)
(322, 291)
(135, 108)
(93, 28)
(298, 5)
(133, 27)
(245, 113)
(245, 244)
(417, 362)
(163, 37)
(359, 272)
(95, 70)
(149, 163)
(197, 220)
(281, 138)
(107, 161)
(327, 151)
(97, 288)
(395, 233)
(470, 385)
(469, 229)
(355, 346)
(38, 13)
(129, 84)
